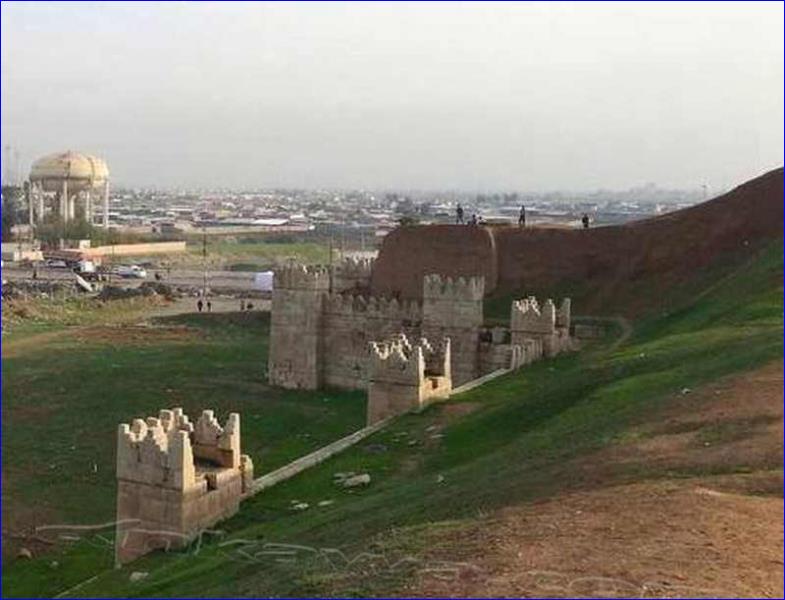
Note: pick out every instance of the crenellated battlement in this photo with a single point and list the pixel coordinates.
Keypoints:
(174, 478)
(406, 375)
(163, 450)
(563, 314)
(352, 273)
(321, 327)
(528, 316)
(351, 305)
(302, 277)
(461, 288)
(157, 451)
(396, 359)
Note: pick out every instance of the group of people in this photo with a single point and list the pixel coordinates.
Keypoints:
(202, 305)
(475, 220)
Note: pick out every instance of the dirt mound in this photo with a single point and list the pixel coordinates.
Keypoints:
(408, 253)
(652, 540)
(637, 525)
(617, 260)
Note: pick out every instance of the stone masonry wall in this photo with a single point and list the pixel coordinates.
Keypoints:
(295, 358)
(406, 375)
(349, 323)
(174, 479)
(453, 308)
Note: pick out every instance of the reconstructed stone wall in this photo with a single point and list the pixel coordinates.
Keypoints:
(352, 275)
(406, 376)
(349, 323)
(453, 308)
(319, 336)
(547, 326)
(295, 357)
(175, 478)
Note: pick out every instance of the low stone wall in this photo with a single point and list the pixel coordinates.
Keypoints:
(312, 459)
(134, 249)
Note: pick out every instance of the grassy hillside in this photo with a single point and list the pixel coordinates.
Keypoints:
(516, 439)
(71, 376)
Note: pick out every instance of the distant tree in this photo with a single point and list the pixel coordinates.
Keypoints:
(408, 221)
(52, 229)
(12, 207)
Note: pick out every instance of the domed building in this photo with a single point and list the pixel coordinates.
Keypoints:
(68, 182)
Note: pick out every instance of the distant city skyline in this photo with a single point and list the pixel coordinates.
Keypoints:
(395, 96)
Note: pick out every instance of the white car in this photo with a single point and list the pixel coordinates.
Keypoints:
(131, 272)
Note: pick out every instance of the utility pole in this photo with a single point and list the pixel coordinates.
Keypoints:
(204, 261)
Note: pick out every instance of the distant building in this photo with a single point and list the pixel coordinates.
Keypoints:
(68, 183)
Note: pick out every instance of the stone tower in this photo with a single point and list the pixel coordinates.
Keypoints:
(406, 376)
(452, 308)
(548, 326)
(176, 478)
(295, 359)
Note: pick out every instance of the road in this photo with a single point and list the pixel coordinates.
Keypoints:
(216, 280)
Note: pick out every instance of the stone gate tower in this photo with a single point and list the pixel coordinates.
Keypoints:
(452, 308)
(296, 327)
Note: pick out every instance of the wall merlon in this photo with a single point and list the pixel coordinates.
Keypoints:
(461, 288)
(302, 277)
(351, 305)
(175, 479)
(563, 316)
(527, 316)
(355, 268)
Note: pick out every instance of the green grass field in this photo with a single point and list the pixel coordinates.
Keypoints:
(510, 446)
(253, 254)
(67, 387)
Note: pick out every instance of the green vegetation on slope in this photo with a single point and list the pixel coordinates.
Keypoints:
(65, 390)
(437, 467)
(254, 253)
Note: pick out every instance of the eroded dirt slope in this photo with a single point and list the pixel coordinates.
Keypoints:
(689, 504)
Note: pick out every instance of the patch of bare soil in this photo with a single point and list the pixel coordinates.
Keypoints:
(735, 421)
(664, 539)
(704, 536)
(112, 334)
(135, 334)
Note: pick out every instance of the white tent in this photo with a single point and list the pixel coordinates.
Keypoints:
(263, 281)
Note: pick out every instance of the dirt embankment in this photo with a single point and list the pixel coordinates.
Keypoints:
(659, 252)
(641, 527)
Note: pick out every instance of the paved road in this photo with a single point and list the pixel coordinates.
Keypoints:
(216, 280)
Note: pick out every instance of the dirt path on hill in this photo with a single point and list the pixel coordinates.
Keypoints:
(635, 531)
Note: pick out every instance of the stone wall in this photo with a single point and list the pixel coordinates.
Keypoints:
(548, 327)
(174, 479)
(295, 357)
(453, 308)
(352, 275)
(349, 323)
(405, 376)
(319, 336)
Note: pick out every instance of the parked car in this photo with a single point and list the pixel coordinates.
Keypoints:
(56, 263)
(131, 271)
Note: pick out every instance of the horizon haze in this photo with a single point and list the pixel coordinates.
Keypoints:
(462, 96)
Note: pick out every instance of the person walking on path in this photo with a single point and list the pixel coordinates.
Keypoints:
(585, 221)
(199, 305)
(522, 216)
(459, 215)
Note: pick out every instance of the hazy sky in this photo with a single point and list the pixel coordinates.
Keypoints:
(524, 96)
